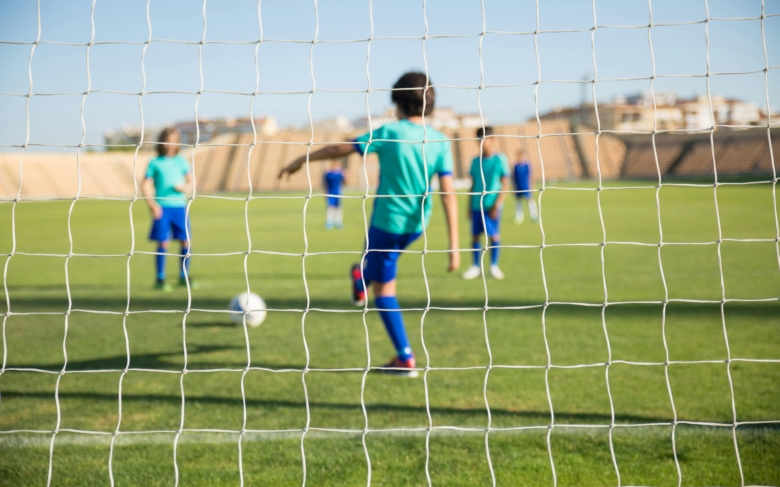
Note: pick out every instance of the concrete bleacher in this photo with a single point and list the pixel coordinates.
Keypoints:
(230, 162)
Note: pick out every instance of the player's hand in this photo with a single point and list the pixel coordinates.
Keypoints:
(179, 187)
(454, 261)
(292, 168)
(156, 211)
(493, 212)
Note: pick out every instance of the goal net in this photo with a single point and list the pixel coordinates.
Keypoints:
(654, 175)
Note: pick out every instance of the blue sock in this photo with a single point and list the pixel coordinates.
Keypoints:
(185, 263)
(394, 324)
(494, 252)
(477, 247)
(160, 262)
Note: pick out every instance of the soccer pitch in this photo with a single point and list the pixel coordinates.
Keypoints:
(275, 398)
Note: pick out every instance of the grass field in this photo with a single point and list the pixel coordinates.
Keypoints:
(275, 397)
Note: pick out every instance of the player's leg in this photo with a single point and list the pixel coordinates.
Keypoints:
(160, 258)
(532, 208)
(519, 215)
(330, 214)
(389, 310)
(477, 229)
(160, 233)
(495, 243)
(381, 269)
(181, 232)
(358, 297)
(339, 214)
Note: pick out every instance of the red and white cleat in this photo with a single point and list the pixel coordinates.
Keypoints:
(404, 368)
(358, 291)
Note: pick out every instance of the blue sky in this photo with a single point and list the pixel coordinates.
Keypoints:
(507, 59)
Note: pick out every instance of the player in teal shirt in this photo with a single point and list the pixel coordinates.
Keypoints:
(485, 210)
(410, 154)
(168, 179)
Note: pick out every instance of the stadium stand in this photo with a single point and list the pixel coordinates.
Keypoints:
(221, 164)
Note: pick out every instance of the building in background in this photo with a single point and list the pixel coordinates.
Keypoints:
(340, 124)
(130, 135)
(637, 113)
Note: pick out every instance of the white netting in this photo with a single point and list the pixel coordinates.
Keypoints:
(426, 250)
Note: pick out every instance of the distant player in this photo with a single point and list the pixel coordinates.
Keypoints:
(485, 211)
(523, 188)
(332, 180)
(168, 179)
(400, 215)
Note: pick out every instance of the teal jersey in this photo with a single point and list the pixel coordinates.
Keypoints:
(403, 173)
(167, 173)
(494, 167)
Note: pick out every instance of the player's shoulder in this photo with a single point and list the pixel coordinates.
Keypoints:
(154, 162)
(434, 134)
(182, 162)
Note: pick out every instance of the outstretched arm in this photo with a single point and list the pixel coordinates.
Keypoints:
(449, 200)
(329, 152)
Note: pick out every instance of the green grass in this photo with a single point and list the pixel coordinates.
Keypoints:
(275, 399)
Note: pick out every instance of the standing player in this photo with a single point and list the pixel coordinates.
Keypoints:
(409, 156)
(168, 178)
(523, 189)
(485, 211)
(332, 180)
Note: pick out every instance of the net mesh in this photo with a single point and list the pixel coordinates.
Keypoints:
(545, 186)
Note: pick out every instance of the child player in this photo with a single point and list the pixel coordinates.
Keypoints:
(332, 181)
(410, 154)
(522, 179)
(168, 179)
(485, 211)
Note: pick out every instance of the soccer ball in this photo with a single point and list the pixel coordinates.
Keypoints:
(252, 304)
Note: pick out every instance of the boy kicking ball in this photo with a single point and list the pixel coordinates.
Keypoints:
(485, 213)
(332, 180)
(168, 179)
(400, 214)
(523, 189)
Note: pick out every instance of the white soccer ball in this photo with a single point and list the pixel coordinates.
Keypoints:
(252, 304)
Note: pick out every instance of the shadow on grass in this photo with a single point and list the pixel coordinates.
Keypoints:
(174, 302)
(161, 361)
(535, 417)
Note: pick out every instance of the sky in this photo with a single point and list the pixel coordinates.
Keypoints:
(734, 46)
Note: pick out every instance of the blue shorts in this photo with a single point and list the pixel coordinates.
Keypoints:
(173, 221)
(333, 202)
(383, 266)
(478, 229)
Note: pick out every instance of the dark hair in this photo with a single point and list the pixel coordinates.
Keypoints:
(410, 100)
(161, 140)
(484, 132)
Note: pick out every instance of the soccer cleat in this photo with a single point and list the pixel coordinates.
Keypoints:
(496, 273)
(400, 367)
(358, 291)
(193, 284)
(472, 272)
(163, 286)
(328, 226)
(519, 221)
